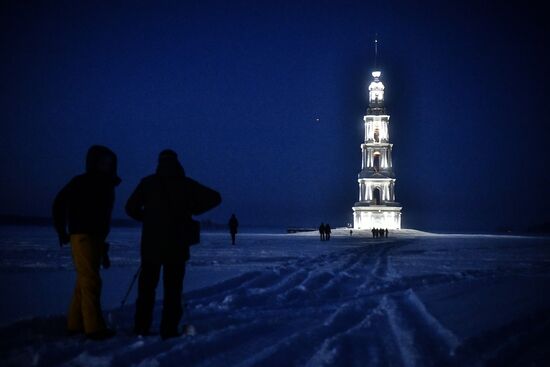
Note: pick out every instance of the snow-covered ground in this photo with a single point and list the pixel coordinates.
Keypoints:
(414, 299)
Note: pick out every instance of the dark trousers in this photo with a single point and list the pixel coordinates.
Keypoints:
(172, 278)
(233, 237)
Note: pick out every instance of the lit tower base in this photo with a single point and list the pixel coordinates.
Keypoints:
(376, 207)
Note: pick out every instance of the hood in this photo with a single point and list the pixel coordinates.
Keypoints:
(169, 165)
(102, 161)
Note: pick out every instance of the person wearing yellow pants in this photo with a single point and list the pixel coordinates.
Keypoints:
(85, 310)
(82, 215)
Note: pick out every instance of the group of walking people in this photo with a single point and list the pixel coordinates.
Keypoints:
(379, 232)
(324, 232)
(164, 202)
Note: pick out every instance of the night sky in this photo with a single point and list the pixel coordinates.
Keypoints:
(236, 87)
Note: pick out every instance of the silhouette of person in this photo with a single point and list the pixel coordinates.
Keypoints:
(233, 226)
(82, 216)
(322, 231)
(327, 231)
(387, 233)
(373, 232)
(165, 202)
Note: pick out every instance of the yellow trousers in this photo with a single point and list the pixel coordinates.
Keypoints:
(85, 310)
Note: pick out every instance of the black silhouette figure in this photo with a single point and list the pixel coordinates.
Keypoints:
(373, 233)
(327, 231)
(82, 216)
(387, 233)
(322, 231)
(233, 227)
(165, 202)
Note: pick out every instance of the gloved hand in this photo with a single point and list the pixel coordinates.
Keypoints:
(64, 238)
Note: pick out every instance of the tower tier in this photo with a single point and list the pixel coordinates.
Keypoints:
(376, 206)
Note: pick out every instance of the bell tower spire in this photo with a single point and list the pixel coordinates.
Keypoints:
(376, 207)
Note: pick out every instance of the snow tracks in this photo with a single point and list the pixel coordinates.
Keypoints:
(344, 308)
(349, 307)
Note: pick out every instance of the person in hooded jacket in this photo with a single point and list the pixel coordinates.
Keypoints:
(82, 215)
(165, 203)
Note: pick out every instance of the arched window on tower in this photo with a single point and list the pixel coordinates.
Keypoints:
(377, 135)
(376, 196)
(376, 161)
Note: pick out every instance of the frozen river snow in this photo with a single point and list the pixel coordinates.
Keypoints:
(414, 299)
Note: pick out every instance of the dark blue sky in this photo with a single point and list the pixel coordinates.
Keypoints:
(235, 88)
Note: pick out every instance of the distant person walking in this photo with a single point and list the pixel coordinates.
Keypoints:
(327, 231)
(387, 232)
(373, 233)
(322, 231)
(82, 216)
(233, 227)
(165, 203)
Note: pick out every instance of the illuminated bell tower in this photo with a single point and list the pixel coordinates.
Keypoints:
(376, 207)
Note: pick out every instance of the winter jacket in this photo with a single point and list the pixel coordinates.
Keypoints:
(165, 202)
(85, 204)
